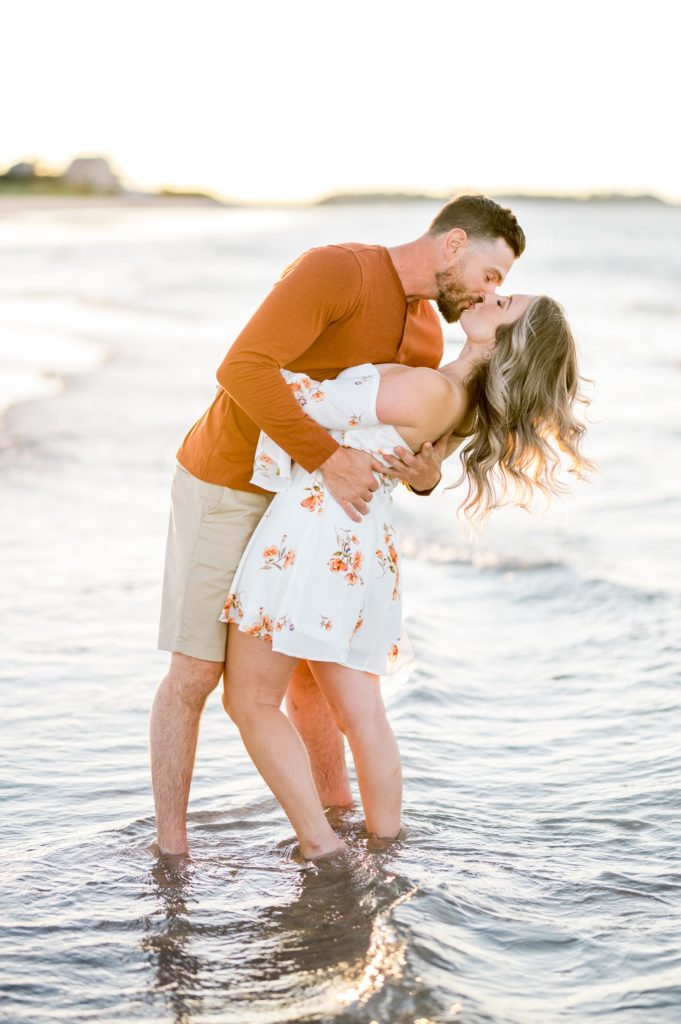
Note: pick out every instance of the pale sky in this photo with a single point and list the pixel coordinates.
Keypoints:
(297, 98)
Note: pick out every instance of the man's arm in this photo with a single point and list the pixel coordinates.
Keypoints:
(320, 287)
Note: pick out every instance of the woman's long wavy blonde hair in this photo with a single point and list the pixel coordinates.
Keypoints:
(523, 399)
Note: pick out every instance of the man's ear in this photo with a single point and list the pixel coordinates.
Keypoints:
(455, 242)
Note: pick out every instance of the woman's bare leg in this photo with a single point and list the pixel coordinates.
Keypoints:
(308, 709)
(356, 702)
(255, 683)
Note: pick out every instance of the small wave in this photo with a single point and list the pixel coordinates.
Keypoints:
(496, 561)
(575, 579)
(17, 385)
(36, 362)
(659, 309)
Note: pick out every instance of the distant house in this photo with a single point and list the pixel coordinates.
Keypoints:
(91, 174)
(22, 171)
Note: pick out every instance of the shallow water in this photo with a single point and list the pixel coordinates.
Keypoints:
(538, 880)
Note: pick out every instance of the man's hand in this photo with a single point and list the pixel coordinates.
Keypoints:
(348, 476)
(422, 472)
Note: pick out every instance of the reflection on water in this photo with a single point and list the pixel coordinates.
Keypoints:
(327, 947)
(175, 970)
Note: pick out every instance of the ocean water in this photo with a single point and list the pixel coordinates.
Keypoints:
(539, 878)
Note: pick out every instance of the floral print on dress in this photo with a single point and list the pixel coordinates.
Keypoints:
(329, 580)
(233, 605)
(262, 628)
(389, 559)
(300, 386)
(347, 559)
(304, 388)
(386, 483)
(266, 464)
(281, 557)
(315, 500)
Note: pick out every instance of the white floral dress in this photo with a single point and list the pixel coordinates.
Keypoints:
(312, 582)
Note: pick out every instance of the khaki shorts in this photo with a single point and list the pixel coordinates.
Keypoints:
(208, 531)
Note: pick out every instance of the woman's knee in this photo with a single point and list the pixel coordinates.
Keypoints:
(246, 704)
(356, 720)
(236, 704)
(238, 707)
(229, 704)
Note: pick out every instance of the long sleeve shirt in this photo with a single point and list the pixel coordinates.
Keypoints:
(335, 306)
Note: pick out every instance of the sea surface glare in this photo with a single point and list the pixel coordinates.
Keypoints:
(539, 881)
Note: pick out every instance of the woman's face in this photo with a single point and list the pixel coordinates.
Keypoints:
(480, 322)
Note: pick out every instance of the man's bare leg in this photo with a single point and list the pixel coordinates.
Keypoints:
(309, 711)
(173, 734)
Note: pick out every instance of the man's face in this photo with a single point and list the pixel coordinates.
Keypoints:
(476, 269)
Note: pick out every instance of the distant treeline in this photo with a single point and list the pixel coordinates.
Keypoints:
(400, 197)
(92, 176)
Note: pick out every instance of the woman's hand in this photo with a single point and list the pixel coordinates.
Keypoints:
(420, 472)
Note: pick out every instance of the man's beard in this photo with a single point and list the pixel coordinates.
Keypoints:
(451, 298)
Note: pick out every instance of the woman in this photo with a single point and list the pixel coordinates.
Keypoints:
(313, 584)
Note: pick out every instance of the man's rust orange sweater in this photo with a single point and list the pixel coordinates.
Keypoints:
(333, 307)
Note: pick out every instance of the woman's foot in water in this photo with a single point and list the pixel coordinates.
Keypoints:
(319, 853)
(377, 844)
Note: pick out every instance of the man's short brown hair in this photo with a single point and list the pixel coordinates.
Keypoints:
(480, 217)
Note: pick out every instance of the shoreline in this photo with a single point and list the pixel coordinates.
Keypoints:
(33, 384)
(23, 203)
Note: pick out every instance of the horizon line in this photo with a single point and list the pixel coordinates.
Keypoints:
(386, 192)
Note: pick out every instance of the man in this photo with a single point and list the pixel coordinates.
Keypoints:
(334, 307)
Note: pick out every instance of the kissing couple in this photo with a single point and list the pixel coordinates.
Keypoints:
(282, 569)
